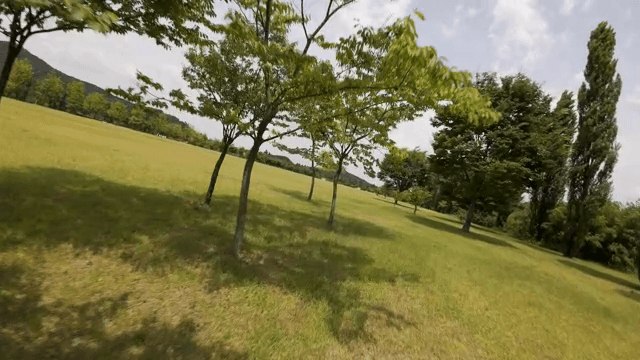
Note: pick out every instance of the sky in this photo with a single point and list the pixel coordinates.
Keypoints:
(544, 39)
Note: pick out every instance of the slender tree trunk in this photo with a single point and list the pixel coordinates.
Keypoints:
(467, 222)
(415, 209)
(313, 168)
(436, 199)
(335, 192)
(12, 55)
(214, 175)
(244, 195)
(313, 182)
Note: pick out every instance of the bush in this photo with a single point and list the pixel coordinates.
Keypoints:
(518, 223)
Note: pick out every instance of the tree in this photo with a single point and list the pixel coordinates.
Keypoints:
(550, 142)
(50, 91)
(403, 168)
(19, 80)
(96, 106)
(118, 113)
(75, 97)
(223, 83)
(482, 166)
(594, 152)
(168, 22)
(285, 75)
(313, 120)
(416, 196)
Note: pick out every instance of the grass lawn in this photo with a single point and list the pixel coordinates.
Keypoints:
(104, 255)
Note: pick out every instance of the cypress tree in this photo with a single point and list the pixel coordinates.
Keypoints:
(595, 151)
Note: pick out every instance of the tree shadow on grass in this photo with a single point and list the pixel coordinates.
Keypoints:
(33, 329)
(458, 223)
(633, 295)
(538, 247)
(393, 203)
(438, 225)
(599, 274)
(300, 196)
(161, 232)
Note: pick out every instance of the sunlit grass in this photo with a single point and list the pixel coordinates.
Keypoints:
(104, 254)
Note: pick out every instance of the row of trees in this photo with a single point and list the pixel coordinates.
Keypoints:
(258, 83)
(559, 156)
(51, 91)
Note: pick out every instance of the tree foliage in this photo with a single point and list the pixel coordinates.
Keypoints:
(75, 97)
(595, 151)
(168, 22)
(550, 142)
(403, 169)
(96, 106)
(50, 91)
(485, 166)
(19, 80)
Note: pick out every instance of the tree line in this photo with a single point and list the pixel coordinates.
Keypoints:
(498, 138)
(543, 172)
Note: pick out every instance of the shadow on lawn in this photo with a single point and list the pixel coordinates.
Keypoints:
(393, 203)
(633, 295)
(161, 232)
(438, 225)
(32, 329)
(599, 274)
(300, 196)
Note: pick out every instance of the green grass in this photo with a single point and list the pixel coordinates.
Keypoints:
(104, 255)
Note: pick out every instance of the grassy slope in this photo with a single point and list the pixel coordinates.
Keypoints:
(103, 255)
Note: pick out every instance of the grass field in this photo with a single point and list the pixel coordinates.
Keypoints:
(104, 255)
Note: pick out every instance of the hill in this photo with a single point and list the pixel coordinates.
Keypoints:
(105, 254)
(41, 68)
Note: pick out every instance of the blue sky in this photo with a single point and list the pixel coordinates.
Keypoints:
(544, 39)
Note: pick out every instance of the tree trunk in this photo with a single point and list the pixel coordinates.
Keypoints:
(214, 175)
(335, 192)
(415, 209)
(313, 180)
(12, 55)
(395, 202)
(244, 196)
(436, 199)
(467, 222)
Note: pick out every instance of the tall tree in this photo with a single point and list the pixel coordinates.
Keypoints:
(595, 151)
(75, 97)
(403, 169)
(168, 22)
(118, 113)
(550, 144)
(485, 166)
(50, 91)
(223, 81)
(416, 196)
(313, 124)
(19, 80)
(96, 106)
(353, 137)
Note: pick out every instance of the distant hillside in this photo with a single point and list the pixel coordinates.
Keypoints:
(41, 69)
(345, 177)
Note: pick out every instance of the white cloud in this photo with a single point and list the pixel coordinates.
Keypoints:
(519, 32)
(450, 31)
(567, 7)
(634, 98)
(578, 77)
(587, 5)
